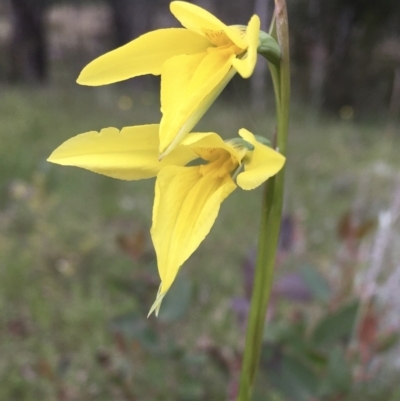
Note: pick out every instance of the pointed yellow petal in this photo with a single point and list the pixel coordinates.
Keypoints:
(189, 86)
(129, 154)
(245, 66)
(263, 163)
(144, 55)
(185, 208)
(198, 20)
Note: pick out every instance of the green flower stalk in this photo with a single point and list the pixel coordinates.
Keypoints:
(271, 211)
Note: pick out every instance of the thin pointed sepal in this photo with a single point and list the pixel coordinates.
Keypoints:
(157, 303)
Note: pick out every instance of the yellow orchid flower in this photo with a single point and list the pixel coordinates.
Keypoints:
(187, 198)
(195, 65)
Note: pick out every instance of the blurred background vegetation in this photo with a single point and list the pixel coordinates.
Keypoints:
(77, 268)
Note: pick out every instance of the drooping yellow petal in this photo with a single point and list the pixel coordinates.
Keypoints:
(144, 55)
(129, 154)
(262, 163)
(186, 205)
(245, 66)
(189, 85)
(198, 20)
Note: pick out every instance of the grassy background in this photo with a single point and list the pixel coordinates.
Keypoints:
(77, 272)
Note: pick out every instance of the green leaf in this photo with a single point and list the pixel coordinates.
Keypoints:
(135, 327)
(276, 332)
(189, 391)
(338, 378)
(387, 341)
(336, 326)
(177, 301)
(295, 379)
(316, 283)
(292, 336)
(339, 372)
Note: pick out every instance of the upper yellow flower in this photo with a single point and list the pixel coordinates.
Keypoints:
(195, 65)
(187, 198)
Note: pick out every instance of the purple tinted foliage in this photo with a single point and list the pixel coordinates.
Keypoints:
(241, 308)
(248, 268)
(287, 233)
(293, 287)
(240, 305)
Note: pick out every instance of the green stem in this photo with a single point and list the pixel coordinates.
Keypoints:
(271, 215)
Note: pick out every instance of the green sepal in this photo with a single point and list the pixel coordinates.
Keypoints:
(269, 48)
(240, 144)
(263, 140)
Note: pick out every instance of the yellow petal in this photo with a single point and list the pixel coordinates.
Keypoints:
(185, 208)
(198, 20)
(189, 85)
(263, 163)
(208, 142)
(246, 65)
(144, 55)
(129, 154)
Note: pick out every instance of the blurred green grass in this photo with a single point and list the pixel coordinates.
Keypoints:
(64, 279)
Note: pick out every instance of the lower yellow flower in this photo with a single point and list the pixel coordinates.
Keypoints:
(187, 198)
